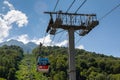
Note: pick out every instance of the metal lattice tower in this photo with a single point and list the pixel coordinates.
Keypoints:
(71, 22)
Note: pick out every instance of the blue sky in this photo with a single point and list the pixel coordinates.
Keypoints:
(25, 21)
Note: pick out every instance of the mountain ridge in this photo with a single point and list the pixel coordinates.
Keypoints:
(27, 48)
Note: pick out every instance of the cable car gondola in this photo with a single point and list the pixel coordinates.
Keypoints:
(43, 65)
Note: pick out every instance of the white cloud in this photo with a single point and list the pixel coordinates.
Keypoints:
(47, 40)
(63, 43)
(12, 16)
(15, 16)
(11, 7)
(4, 29)
(23, 38)
(80, 47)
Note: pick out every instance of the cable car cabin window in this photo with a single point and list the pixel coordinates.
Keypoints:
(43, 61)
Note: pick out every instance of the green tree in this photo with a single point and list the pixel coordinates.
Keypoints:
(60, 76)
(100, 76)
(11, 74)
(92, 75)
(114, 77)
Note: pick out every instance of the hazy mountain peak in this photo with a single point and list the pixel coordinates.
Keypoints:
(26, 47)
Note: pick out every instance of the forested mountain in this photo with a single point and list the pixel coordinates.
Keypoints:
(27, 48)
(89, 65)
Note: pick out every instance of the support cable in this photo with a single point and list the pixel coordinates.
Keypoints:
(49, 49)
(56, 5)
(78, 40)
(53, 11)
(60, 37)
(60, 31)
(44, 38)
(102, 18)
(110, 12)
(70, 6)
(80, 6)
(52, 40)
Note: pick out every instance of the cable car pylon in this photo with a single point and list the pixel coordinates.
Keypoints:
(71, 22)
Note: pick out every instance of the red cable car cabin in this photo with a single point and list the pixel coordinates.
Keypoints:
(43, 65)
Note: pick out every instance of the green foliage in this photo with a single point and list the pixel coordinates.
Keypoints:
(27, 69)
(9, 58)
(114, 77)
(89, 65)
(60, 76)
(2, 79)
(100, 76)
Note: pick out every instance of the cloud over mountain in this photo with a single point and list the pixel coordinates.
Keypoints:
(46, 40)
(80, 47)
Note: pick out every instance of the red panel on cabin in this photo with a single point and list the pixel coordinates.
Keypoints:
(43, 67)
